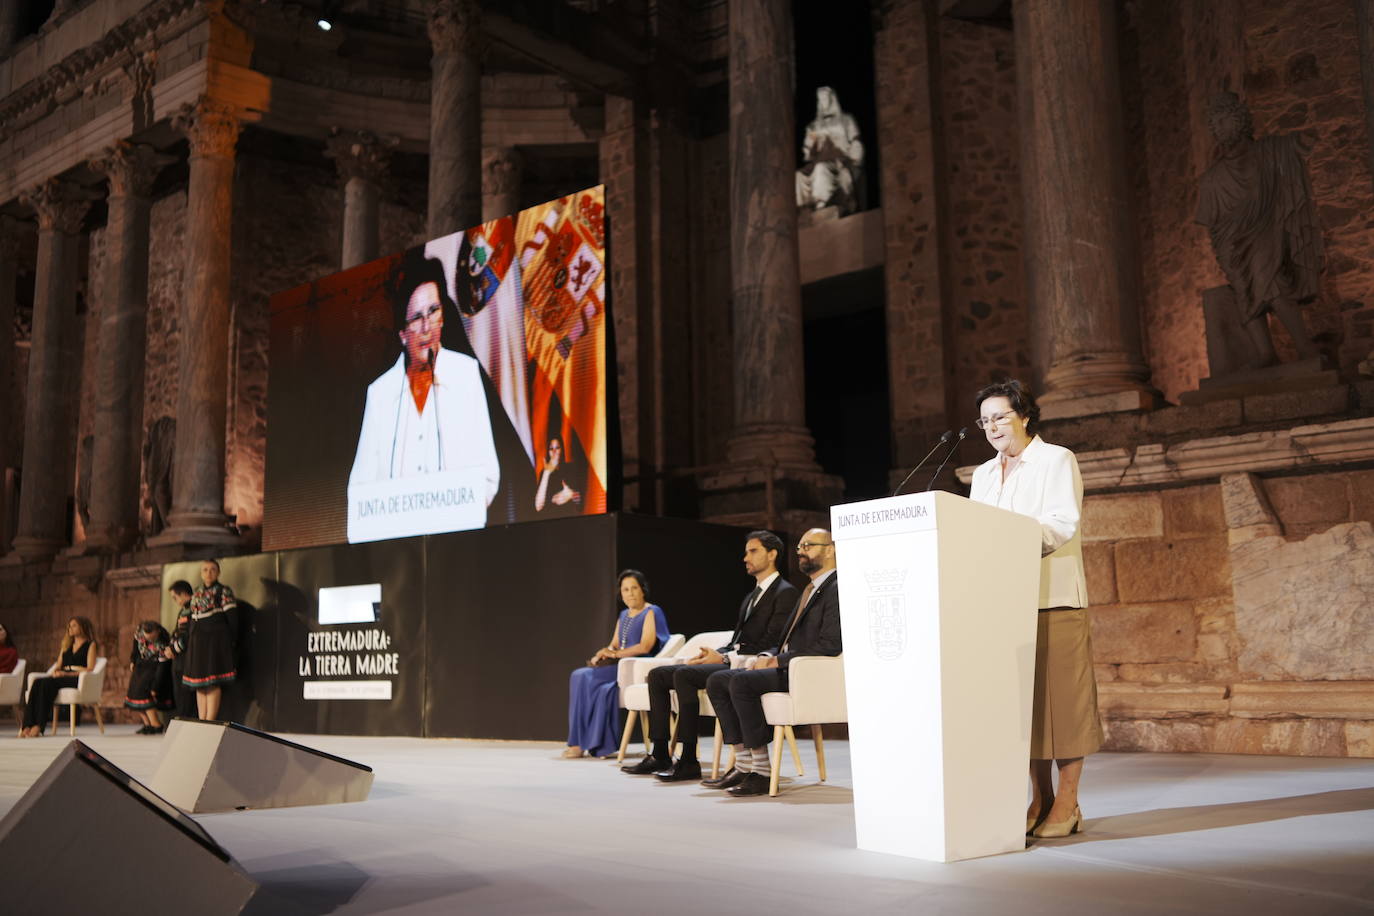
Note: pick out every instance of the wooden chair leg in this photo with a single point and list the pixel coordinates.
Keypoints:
(792, 743)
(672, 736)
(625, 736)
(731, 762)
(777, 759)
(715, 756)
(99, 720)
(644, 732)
(71, 721)
(818, 738)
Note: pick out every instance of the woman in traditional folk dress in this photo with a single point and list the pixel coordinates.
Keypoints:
(210, 643)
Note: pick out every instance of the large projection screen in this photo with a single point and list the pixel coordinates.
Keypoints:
(457, 385)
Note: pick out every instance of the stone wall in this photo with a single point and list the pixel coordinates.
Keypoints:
(1236, 617)
(986, 301)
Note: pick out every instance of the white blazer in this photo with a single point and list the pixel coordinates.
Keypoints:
(1047, 487)
(463, 424)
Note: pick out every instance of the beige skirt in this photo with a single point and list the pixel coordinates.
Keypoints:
(1064, 720)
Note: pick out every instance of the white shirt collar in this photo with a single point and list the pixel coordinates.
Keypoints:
(767, 583)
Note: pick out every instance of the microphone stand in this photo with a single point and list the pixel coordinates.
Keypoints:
(943, 439)
(948, 455)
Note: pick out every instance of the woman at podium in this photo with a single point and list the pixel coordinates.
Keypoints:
(1031, 477)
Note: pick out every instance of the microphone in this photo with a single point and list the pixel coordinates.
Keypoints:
(948, 455)
(949, 434)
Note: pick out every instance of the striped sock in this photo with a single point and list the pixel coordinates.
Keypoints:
(761, 764)
(742, 759)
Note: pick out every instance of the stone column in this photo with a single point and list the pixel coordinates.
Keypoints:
(455, 116)
(119, 365)
(1081, 262)
(363, 159)
(502, 170)
(197, 514)
(49, 420)
(9, 268)
(1364, 12)
(770, 403)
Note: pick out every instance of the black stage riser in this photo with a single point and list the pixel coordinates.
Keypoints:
(483, 626)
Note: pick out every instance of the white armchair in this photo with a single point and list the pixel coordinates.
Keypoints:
(89, 685)
(12, 688)
(633, 676)
(815, 696)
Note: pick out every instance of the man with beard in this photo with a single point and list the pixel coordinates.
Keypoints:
(428, 412)
(759, 624)
(812, 629)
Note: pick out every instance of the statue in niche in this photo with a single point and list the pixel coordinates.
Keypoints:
(85, 458)
(158, 453)
(833, 157)
(1256, 203)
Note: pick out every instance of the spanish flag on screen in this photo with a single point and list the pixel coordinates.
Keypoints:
(561, 248)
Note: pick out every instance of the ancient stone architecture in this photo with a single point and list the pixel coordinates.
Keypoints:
(1031, 172)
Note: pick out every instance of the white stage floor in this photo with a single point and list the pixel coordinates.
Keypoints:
(497, 827)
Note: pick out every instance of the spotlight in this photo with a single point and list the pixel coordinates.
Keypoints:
(324, 24)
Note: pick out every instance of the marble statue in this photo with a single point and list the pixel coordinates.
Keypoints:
(1256, 203)
(833, 158)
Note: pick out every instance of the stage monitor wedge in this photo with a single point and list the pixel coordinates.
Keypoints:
(223, 766)
(86, 829)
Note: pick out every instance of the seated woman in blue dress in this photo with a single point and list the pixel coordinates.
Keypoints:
(594, 695)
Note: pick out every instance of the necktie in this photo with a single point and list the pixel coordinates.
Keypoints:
(753, 600)
(801, 606)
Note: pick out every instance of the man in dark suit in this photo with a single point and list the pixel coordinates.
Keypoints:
(758, 625)
(813, 628)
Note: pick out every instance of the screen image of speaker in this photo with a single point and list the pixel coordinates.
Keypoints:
(457, 385)
(85, 816)
(223, 766)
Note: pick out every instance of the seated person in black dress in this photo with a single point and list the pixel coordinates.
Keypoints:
(150, 677)
(78, 655)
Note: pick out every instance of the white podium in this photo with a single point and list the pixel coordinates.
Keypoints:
(938, 600)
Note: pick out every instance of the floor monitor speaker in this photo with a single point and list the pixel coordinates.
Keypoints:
(86, 835)
(223, 766)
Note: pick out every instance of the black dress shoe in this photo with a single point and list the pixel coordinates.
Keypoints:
(727, 780)
(646, 766)
(752, 784)
(681, 771)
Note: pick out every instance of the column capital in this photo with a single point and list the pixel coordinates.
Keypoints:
(60, 205)
(360, 153)
(454, 25)
(130, 167)
(501, 170)
(211, 126)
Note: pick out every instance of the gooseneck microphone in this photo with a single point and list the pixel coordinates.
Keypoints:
(949, 434)
(948, 455)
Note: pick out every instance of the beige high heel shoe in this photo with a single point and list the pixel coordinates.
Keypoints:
(1049, 830)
